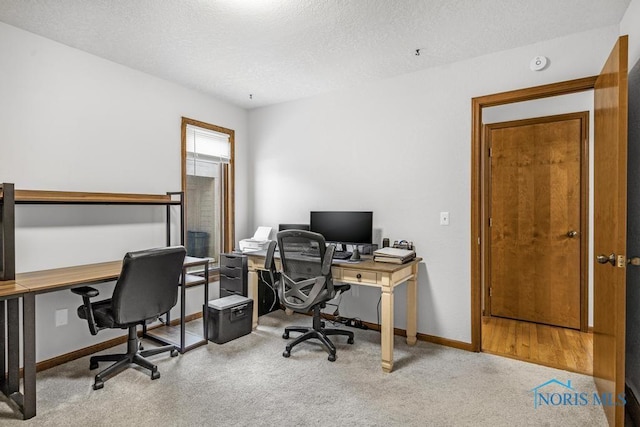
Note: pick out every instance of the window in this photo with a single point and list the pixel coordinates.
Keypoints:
(207, 183)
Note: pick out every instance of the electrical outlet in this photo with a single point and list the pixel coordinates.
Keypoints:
(62, 317)
(444, 218)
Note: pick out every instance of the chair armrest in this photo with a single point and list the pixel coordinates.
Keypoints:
(87, 292)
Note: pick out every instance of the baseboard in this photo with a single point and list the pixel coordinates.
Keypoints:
(461, 345)
(422, 337)
(632, 407)
(86, 351)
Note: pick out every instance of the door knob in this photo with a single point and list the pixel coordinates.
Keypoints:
(603, 259)
(571, 234)
(634, 260)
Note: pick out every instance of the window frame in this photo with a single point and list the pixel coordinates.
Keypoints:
(228, 172)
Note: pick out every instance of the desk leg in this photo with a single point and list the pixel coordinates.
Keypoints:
(3, 338)
(183, 307)
(386, 328)
(29, 357)
(205, 310)
(252, 290)
(13, 346)
(412, 307)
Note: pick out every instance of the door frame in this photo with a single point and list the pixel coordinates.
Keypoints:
(583, 116)
(478, 184)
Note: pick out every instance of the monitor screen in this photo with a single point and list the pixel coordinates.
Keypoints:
(343, 226)
(282, 227)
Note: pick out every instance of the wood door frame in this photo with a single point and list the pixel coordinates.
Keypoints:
(583, 116)
(228, 214)
(478, 241)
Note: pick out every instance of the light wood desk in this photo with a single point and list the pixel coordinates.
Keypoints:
(28, 285)
(367, 273)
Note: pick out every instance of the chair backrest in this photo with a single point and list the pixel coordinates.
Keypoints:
(148, 284)
(305, 278)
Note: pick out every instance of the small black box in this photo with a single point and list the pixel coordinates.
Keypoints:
(229, 318)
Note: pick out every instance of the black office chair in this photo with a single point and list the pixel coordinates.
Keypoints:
(306, 285)
(147, 288)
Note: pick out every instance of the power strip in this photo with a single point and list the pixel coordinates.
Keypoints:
(356, 323)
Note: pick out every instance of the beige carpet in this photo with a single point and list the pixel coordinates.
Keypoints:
(247, 382)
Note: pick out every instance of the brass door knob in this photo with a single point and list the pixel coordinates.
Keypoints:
(571, 234)
(603, 259)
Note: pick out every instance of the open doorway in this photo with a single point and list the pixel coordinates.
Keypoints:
(610, 94)
(520, 273)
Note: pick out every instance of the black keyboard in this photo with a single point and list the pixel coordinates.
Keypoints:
(341, 255)
(310, 252)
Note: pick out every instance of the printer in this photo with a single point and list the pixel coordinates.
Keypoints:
(259, 241)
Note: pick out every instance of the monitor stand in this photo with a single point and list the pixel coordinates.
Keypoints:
(355, 254)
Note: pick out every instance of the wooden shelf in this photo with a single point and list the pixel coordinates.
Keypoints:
(193, 280)
(171, 335)
(79, 197)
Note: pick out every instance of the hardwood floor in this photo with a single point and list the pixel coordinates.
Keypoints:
(542, 344)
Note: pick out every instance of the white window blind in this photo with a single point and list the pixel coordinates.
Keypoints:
(208, 145)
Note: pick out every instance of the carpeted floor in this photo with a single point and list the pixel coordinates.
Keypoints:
(247, 382)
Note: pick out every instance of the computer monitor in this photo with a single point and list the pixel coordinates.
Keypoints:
(293, 242)
(346, 227)
(282, 227)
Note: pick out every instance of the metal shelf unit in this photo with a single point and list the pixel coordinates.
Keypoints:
(9, 197)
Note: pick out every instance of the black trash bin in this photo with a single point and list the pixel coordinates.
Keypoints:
(197, 243)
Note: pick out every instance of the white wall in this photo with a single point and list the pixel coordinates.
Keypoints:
(73, 121)
(401, 147)
(630, 25)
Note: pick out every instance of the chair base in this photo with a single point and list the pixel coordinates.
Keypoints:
(122, 361)
(317, 331)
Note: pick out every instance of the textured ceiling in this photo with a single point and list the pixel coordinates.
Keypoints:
(280, 50)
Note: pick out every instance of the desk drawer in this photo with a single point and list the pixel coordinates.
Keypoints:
(233, 284)
(355, 276)
(231, 260)
(231, 271)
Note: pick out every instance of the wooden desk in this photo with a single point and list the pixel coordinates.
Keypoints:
(366, 273)
(10, 294)
(58, 279)
(27, 286)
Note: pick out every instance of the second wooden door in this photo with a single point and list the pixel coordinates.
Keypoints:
(537, 216)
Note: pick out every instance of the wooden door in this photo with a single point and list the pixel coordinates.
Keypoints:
(610, 229)
(537, 194)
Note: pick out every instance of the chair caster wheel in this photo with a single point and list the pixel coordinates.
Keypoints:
(174, 353)
(155, 375)
(285, 335)
(350, 341)
(332, 358)
(286, 353)
(93, 365)
(98, 385)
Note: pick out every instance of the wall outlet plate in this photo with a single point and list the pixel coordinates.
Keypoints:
(62, 317)
(444, 218)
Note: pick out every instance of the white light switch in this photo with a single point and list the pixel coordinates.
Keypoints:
(62, 317)
(444, 218)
